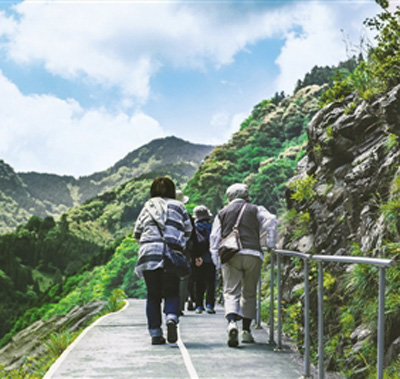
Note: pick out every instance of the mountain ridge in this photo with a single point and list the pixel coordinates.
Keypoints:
(24, 194)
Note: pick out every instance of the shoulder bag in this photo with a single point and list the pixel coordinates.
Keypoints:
(231, 244)
(175, 261)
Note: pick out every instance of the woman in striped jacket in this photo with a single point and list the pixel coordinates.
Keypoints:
(162, 214)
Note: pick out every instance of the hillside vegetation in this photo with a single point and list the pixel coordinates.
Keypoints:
(345, 201)
(40, 257)
(23, 195)
(263, 154)
(332, 174)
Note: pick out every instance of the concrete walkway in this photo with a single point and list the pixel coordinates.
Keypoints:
(118, 346)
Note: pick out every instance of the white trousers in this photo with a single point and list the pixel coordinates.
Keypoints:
(240, 276)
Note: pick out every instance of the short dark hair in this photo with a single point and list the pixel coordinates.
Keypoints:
(163, 187)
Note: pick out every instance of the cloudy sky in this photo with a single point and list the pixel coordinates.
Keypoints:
(83, 83)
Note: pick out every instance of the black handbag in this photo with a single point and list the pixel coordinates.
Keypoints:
(231, 244)
(175, 261)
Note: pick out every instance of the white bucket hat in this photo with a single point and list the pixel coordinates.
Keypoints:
(181, 197)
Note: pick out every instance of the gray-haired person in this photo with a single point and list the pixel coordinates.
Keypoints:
(258, 232)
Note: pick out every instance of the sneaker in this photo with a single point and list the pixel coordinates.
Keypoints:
(199, 310)
(172, 332)
(247, 337)
(190, 306)
(232, 334)
(210, 310)
(159, 340)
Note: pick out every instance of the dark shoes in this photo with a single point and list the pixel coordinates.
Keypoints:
(210, 310)
(172, 331)
(160, 340)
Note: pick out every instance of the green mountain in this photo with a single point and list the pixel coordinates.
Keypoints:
(263, 153)
(332, 174)
(40, 258)
(25, 194)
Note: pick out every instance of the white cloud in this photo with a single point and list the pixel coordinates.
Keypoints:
(46, 134)
(319, 40)
(394, 5)
(123, 45)
(224, 126)
(220, 119)
(236, 121)
(7, 25)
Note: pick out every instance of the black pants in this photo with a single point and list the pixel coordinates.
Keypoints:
(205, 284)
(161, 285)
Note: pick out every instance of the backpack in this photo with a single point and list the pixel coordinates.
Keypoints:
(202, 245)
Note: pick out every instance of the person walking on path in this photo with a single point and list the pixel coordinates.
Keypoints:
(258, 232)
(162, 213)
(186, 285)
(204, 270)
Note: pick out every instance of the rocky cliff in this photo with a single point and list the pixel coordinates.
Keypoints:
(345, 200)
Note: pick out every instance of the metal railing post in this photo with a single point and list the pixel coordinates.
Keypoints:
(279, 280)
(321, 371)
(381, 321)
(306, 319)
(382, 264)
(271, 303)
(258, 314)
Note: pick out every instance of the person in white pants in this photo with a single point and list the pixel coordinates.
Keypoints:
(258, 232)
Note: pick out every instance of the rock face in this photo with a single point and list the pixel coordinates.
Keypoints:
(30, 342)
(353, 156)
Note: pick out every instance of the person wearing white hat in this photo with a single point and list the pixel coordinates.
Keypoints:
(258, 232)
(181, 197)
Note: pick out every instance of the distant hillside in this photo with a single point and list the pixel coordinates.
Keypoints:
(40, 257)
(25, 194)
(263, 153)
(16, 202)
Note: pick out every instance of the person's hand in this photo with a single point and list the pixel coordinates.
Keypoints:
(199, 261)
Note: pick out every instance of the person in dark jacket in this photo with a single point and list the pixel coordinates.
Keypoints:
(204, 269)
(186, 285)
(258, 232)
(162, 214)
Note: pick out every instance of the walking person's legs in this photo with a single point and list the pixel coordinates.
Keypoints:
(232, 277)
(248, 301)
(210, 287)
(192, 295)
(171, 294)
(153, 280)
(183, 293)
(200, 287)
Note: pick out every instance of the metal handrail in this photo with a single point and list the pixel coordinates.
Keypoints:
(306, 260)
(382, 264)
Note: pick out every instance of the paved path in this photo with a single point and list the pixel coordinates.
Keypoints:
(118, 346)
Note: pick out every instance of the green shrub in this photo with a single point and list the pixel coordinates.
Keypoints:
(302, 188)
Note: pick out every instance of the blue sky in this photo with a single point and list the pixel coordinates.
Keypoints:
(83, 83)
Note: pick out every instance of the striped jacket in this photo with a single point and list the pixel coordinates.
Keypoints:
(172, 218)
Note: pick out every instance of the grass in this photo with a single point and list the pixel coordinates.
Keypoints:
(36, 367)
